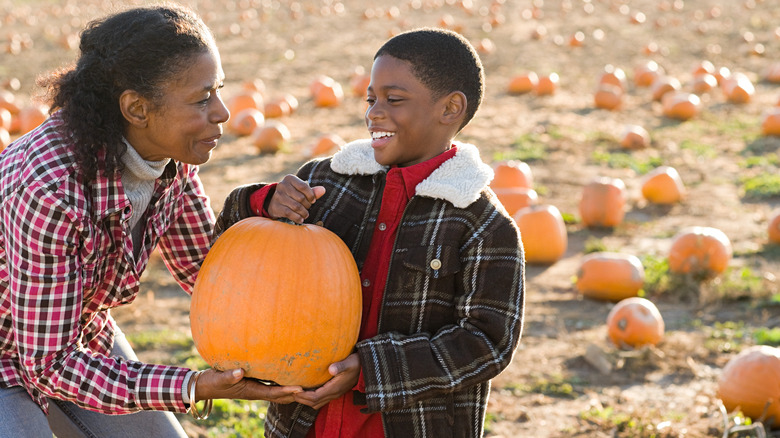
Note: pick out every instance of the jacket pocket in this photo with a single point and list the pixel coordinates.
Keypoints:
(436, 261)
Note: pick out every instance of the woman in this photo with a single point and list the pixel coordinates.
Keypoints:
(85, 198)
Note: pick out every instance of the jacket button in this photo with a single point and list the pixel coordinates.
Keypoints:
(382, 226)
(435, 264)
(366, 283)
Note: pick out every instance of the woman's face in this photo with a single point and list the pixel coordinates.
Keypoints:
(186, 123)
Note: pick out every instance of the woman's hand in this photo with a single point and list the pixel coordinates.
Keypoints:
(345, 376)
(293, 198)
(231, 384)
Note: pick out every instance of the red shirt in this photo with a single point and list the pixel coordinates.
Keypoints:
(341, 417)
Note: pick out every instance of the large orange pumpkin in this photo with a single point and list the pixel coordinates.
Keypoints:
(750, 382)
(543, 233)
(610, 276)
(773, 229)
(663, 185)
(602, 203)
(738, 88)
(635, 322)
(281, 301)
(703, 252)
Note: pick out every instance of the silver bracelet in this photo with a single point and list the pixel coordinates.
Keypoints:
(193, 405)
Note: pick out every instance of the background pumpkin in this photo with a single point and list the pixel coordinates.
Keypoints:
(663, 185)
(635, 322)
(602, 203)
(281, 301)
(750, 382)
(543, 233)
(610, 276)
(703, 252)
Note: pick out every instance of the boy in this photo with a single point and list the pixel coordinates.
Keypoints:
(440, 261)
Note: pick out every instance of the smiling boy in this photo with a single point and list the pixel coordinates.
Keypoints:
(440, 260)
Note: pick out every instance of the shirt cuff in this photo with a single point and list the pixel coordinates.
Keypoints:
(185, 393)
(258, 199)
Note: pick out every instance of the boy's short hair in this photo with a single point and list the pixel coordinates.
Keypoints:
(444, 61)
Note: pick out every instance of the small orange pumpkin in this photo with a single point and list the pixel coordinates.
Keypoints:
(270, 137)
(770, 121)
(523, 83)
(512, 173)
(326, 144)
(738, 88)
(704, 83)
(635, 322)
(646, 73)
(614, 76)
(547, 84)
(773, 72)
(602, 203)
(5, 139)
(773, 229)
(634, 137)
(608, 96)
(28, 118)
(6, 118)
(681, 105)
(277, 107)
(245, 121)
(245, 99)
(610, 276)
(543, 233)
(281, 314)
(703, 252)
(515, 198)
(663, 85)
(750, 383)
(326, 92)
(663, 185)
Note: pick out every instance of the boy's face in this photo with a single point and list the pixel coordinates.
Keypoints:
(402, 117)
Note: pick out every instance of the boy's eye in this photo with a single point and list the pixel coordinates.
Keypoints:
(370, 100)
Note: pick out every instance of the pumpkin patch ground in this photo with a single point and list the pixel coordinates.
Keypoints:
(567, 379)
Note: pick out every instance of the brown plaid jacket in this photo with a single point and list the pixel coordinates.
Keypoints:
(452, 311)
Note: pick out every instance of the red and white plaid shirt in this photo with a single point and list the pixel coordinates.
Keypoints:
(66, 258)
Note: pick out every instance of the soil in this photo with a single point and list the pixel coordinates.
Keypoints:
(552, 388)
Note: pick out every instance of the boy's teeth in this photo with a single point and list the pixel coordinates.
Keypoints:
(376, 135)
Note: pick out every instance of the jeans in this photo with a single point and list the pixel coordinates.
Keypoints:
(21, 417)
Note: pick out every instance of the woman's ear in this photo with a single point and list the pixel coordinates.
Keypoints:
(134, 108)
(455, 108)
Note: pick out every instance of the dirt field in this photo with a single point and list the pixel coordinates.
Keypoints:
(550, 390)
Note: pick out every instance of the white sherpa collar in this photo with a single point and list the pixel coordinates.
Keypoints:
(458, 180)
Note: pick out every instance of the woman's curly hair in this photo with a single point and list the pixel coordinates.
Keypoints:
(141, 49)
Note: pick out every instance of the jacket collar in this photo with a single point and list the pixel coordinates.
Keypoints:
(459, 180)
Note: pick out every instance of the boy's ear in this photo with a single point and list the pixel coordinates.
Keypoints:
(135, 108)
(455, 107)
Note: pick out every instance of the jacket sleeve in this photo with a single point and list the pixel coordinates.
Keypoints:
(476, 335)
(236, 207)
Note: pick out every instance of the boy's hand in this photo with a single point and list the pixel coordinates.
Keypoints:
(231, 384)
(293, 198)
(345, 376)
